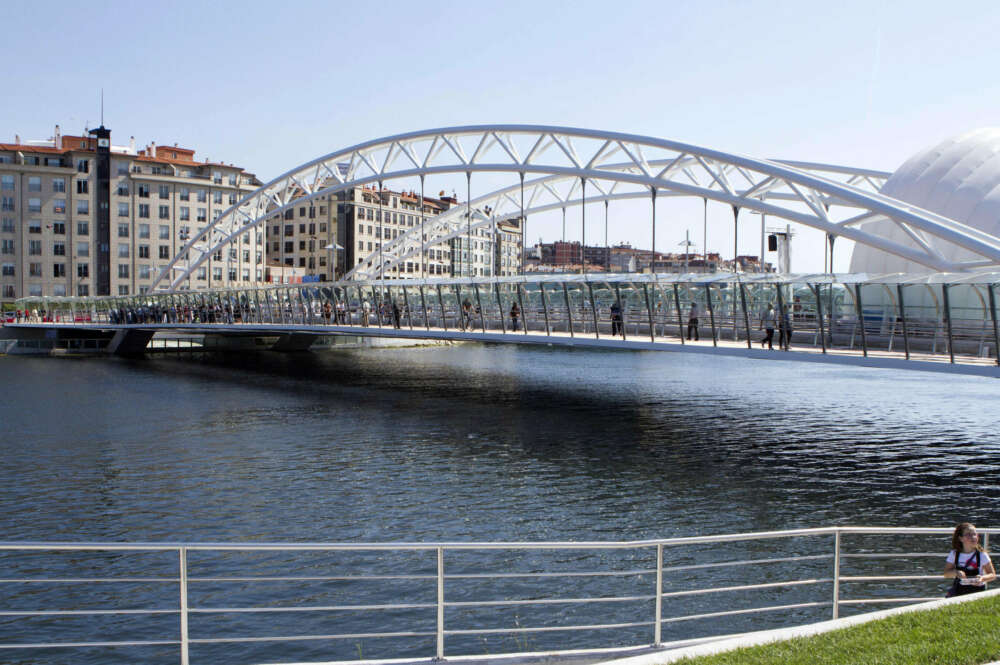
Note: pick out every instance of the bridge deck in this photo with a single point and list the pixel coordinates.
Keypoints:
(799, 351)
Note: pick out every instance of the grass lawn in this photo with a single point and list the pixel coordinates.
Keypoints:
(962, 634)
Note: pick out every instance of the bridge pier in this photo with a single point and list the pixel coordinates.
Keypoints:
(294, 342)
(130, 342)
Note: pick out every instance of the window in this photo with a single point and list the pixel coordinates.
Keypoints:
(122, 189)
(34, 269)
(83, 165)
(8, 270)
(232, 199)
(82, 186)
(143, 251)
(289, 247)
(83, 207)
(144, 210)
(123, 288)
(34, 205)
(7, 203)
(35, 290)
(83, 249)
(144, 231)
(164, 251)
(164, 191)
(59, 206)
(232, 179)
(6, 246)
(246, 256)
(143, 272)
(123, 209)
(202, 272)
(202, 213)
(59, 185)
(185, 194)
(164, 232)
(302, 245)
(123, 272)
(289, 230)
(143, 191)
(58, 269)
(7, 225)
(123, 250)
(35, 226)
(217, 274)
(123, 230)
(7, 183)
(202, 196)
(217, 177)
(59, 249)
(59, 228)
(164, 212)
(82, 290)
(34, 183)
(121, 168)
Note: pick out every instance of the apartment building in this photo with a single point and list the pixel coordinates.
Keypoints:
(330, 235)
(80, 216)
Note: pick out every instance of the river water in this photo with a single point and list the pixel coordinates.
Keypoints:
(463, 443)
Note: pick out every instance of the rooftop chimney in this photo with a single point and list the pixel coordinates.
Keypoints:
(131, 145)
(58, 139)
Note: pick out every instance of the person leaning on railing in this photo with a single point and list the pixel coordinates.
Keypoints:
(968, 563)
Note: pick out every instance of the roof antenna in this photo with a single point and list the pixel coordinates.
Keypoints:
(102, 107)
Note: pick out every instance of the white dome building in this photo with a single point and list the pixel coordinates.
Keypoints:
(958, 178)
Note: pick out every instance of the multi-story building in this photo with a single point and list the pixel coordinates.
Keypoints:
(79, 216)
(328, 236)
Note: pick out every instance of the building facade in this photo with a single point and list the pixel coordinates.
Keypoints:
(81, 217)
(328, 236)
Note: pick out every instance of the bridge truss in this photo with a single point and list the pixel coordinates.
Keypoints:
(614, 165)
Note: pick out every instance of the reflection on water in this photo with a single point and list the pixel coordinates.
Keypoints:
(482, 443)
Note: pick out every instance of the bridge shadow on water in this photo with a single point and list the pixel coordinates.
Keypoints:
(785, 446)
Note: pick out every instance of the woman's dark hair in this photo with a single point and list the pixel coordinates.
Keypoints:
(956, 537)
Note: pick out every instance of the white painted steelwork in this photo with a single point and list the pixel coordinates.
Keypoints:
(185, 580)
(651, 164)
(566, 191)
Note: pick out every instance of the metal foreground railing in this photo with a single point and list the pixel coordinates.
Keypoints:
(943, 317)
(438, 600)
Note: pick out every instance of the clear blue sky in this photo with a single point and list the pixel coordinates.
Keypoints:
(268, 86)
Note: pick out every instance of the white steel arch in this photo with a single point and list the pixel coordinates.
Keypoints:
(788, 190)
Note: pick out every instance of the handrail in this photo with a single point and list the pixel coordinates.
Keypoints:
(624, 592)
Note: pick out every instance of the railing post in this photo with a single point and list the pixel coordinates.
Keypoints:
(677, 308)
(593, 309)
(569, 312)
(836, 574)
(902, 317)
(649, 312)
(746, 315)
(440, 604)
(996, 331)
(524, 312)
(659, 596)
(545, 308)
(496, 289)
(184, 606)
(947, 319)
(621, 307)
(861, 319)
(711, 314)
(819, 316)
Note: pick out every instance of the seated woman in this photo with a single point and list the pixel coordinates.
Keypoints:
(968, 563)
